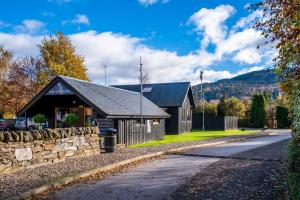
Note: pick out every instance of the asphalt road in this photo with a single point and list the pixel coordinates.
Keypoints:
(162, 178)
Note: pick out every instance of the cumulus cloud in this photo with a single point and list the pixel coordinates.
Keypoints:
(30, 26)
(210, 23)
(147, 3)
(248, 56)
(81, 19)
(235, 43)
(120, 52)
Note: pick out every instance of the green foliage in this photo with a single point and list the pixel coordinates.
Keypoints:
(40, 119)
(235, 107)
(258, 111)
(293, 178)
(71, 119)
(222, 106)
(231, 107)
(282, 117)
(210, 109)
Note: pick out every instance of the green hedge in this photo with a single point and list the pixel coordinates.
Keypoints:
(282, 117)
(293, 178)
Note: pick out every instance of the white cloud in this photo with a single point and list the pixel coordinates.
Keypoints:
(210, 23)
(234, 43)
(248, 56)
(121, 52)
(30, 26)
(81, 19)
(21, 44)
(147, 3)
(247, 70)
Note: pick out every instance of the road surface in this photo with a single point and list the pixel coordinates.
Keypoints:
(159, 179)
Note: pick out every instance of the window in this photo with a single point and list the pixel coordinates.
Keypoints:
(147, 89)
(148, 126)
(156, 121)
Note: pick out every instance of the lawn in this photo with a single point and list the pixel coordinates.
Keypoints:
(195, 135)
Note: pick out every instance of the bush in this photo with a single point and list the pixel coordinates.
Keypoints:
(40, 119)
(293, 178)
(71, 119)
(282, 114)
(258, 111)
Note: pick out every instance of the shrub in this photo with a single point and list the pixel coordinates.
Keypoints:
(71, 119)
(293, 178)
(282, 114)
(40, 119)
(258, 111)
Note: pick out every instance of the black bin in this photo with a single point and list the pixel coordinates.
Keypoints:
(110, 140)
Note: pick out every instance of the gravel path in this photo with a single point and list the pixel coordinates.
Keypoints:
(254, 174)
(22, 181)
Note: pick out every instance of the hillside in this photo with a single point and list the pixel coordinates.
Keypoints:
(242, 86)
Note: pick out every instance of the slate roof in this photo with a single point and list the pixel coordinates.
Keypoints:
(164, 94)
(111, 101)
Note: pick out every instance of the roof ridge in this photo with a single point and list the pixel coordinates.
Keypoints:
(154, 83)
(106, 86)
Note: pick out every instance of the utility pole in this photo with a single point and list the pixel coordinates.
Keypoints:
(104, 66)
(141, 82)
(202, 99)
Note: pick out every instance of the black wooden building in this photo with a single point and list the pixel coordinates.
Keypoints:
(107, 107)
(175, 98)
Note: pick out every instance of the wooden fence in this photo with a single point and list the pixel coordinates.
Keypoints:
(215, 123)
(130, 132)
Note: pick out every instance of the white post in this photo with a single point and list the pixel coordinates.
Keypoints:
(141, 98)
(202, 100)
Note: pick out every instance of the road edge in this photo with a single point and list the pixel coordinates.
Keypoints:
(74, 178)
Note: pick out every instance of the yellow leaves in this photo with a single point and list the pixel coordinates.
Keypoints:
(60, 58)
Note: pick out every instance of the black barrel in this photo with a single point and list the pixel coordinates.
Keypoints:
(110, 140)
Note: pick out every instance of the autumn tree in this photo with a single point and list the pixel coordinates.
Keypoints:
(60, 58)
(280, 26)
(21, 83)
(5, 64)
(235, 107)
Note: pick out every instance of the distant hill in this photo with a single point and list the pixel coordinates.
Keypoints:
(242, 86)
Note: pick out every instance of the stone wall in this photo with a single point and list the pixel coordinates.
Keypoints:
(24, 149)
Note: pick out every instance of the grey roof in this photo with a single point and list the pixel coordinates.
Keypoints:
(111, 101)
(164, 94)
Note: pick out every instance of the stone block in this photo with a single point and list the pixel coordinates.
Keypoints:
(1, 137)
(69, 153)
(49, 147)
(51, 155)
(23, 154)
(78, 141)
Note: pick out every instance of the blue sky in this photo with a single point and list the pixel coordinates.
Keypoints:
(175, 38)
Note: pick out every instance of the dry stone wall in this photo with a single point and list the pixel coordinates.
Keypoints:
(24, 149)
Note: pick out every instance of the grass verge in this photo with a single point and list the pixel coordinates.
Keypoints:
(195, 135)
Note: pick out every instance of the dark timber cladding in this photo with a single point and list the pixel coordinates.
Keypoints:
(106, 107)
(175, 98)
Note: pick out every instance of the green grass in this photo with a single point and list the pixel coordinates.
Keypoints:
(195, 135)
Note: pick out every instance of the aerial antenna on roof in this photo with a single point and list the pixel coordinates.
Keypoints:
(104, 66)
